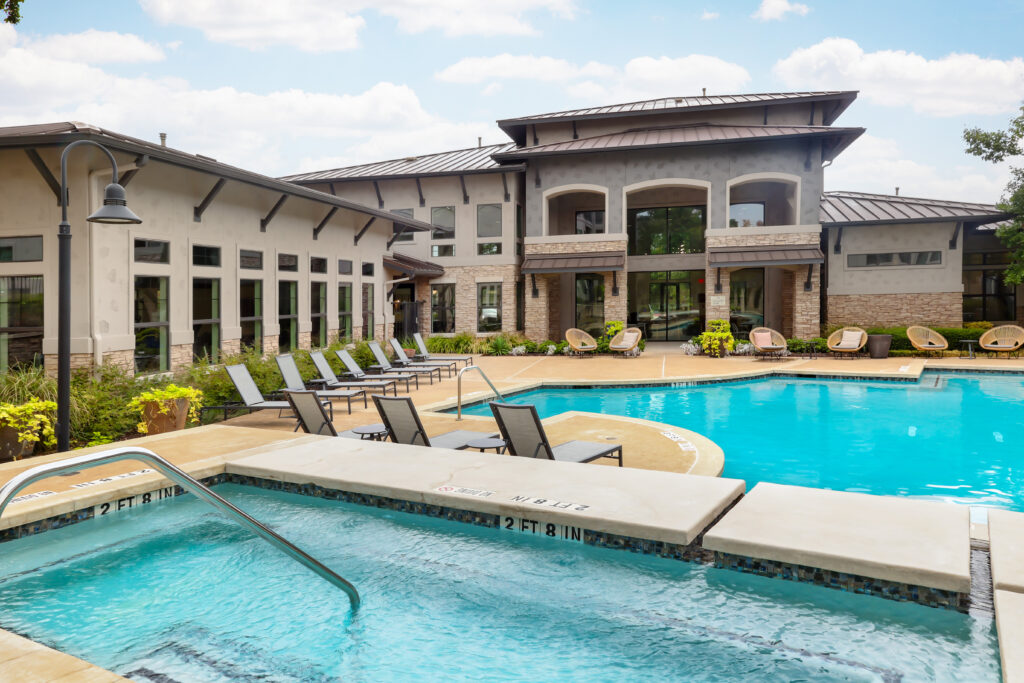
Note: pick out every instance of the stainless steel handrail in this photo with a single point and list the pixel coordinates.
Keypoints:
(482, 374)
(199, 490)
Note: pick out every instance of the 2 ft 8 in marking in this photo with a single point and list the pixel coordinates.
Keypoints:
(136, 501)
(538, 528)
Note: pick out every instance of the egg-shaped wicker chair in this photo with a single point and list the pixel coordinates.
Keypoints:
(1003, 339)
(580, 342)
(775, 346)
(926, 339)
(847, 341)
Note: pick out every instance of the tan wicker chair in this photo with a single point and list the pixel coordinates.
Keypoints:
(579, 341)
(926, 339)
(1003, 339)
(775, 349)
(835, 339)
(627, 342)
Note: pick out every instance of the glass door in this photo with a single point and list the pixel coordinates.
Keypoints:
(667, 305)
(590, 303)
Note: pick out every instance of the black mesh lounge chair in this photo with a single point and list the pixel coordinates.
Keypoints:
(313, 419)
(293, 382)
(384, 365)
(331, 380)
(353, 370)
(253, 399)
(427, 356)
(524, 435)
(403, 360)
(403, 422)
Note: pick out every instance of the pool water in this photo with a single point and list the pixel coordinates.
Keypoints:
(951, 436)
(174, 592)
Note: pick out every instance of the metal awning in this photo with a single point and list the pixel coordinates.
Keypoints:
(742, 257)
(412, 266)
(590, 262)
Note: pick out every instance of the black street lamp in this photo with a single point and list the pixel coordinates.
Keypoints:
(114, 210)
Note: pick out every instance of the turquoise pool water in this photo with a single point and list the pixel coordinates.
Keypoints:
(173, 592)
(952, 436)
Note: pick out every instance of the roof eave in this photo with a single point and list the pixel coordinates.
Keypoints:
(510, 168)
(980, 219)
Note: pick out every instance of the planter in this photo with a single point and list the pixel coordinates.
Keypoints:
(11, 447)
(165, 416)
(878, 345)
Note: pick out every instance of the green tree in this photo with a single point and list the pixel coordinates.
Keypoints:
(11, 10)
(997, 146)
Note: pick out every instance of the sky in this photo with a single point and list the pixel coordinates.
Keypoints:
(302, 85)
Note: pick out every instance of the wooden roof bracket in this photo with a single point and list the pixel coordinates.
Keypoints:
(380, 199)
(127, 176)
(956, 234)
(197, 211)
(718, 280)
(809, 285)
(264, 222)
(504, 186)
(838, 248)
(465, 195)
(814, 106)
(575, 134)
(615, 283)
(320, 226)
(44, 172)
(396, 235)
(419, 189)
(362, 232)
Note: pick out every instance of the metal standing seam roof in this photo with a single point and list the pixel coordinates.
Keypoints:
(412, 266)
(742, 257)
(862, 208)
(60, 133)
(693, 134)
(455, 162)
(589, 262)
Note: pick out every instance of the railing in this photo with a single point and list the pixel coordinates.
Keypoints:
(199, 490)
(482, 374)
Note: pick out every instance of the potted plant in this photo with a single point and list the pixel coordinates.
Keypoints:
(23, 426)
(167, 409)
(717, 341)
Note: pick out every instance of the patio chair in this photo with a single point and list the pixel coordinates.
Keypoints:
(253, 398)
(425, 355)
(331, 380)
(403, 361)
(579, 341)
(1003, 339)
(353, 370)
(524, 435)
(313, 419)
(384, 365)
(926, 339)
(767, 343)
(404, 426)
(627, 342)
(847, 340)
(293, 382)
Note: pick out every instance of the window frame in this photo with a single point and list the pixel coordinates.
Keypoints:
(36, 239)
(440, 232)
(895, 263)
(145, 240)
(256, 319)
(576, 222)
(498, 234)
(163, 327)
(286, 268)
(492, 327)
(215, 249)
(318, 335)
(291, 318)
(7, 331)
(436, 248)
(248, 253)
(318, 265)
(215, 323)
(442, 312)
(345, 313)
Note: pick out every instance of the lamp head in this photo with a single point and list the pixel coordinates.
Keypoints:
(115, 208)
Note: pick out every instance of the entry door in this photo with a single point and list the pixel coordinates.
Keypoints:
(677, 310)
(406, 311)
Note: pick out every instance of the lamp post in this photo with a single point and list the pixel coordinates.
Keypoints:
(114, 210)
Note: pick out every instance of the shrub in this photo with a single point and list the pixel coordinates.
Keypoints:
(805, 345)
(978, 325)
(498, 345)
(717, 341)
(106, 391)
(163, 396)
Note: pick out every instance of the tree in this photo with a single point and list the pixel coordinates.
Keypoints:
(996, 146)
(11, 10)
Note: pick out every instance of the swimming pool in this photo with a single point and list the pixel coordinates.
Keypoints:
(173, 592)
(954, 437)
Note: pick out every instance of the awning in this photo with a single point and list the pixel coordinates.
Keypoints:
(590, 262)
(413, 267)
(742, 257)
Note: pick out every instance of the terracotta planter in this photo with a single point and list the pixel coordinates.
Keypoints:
(411, 352)
(12, 448)
(160, 419)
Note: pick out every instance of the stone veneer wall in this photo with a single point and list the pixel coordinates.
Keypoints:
(767, 240)
(716, 305)
(466, 279)
(305, 340)
(942, 309)
(181, 356)
(270, 345)
(615, 306)
(538, 320)
(78, 361)
(230, 346)
(571, 246)
(807, 304)
(422, 294)
(788, 295)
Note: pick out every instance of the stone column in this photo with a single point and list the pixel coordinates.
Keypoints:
(716, 304)
(614, 306)
(270, 345)
(537, 313)
(807, 304)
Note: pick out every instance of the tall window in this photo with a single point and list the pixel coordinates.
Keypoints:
(345, 310)
(488, 307)
(152, 350)
(401, 234)
(206, 318)
(746, 215)
(988, 297)
(288, 315)
(250, 308)
(318, 313)
(21, 321)
(589, 222)
(443, 220)
(746, 300)
(368, 311)
(442, 308)
(488, 220)
(590, 303)
(666, 230)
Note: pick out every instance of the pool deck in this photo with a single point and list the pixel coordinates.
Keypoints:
(910, 541)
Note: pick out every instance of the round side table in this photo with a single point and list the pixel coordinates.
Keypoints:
(487, 443)
(374, 432)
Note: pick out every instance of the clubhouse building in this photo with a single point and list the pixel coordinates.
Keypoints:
(664, 213)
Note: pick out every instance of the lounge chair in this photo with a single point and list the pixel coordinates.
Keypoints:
(384, 365)
(926, 339)
(293, 382)
(426, 355)
(313, 419)
(847, 340)
(524, 435)
(768, 343)
(331, 380)
(1003, 339)
(404, 426)
(627, 342)
(579, 341)
(403, 361)
(253, 399)
(353, 370)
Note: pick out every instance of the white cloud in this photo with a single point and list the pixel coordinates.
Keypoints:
(97, 47)
(874, 164)
(953, 85)
(708, 16)
(268, 132)
(639, 78)
(774, 10)
(334, 25)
